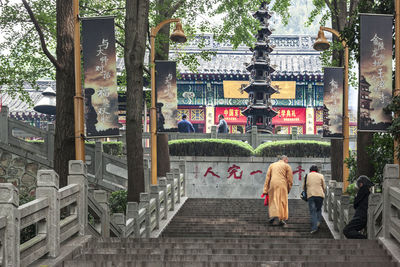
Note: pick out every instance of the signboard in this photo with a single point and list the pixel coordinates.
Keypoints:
(232, 115)
(167, 103)
(287, 116)
(333, 102)
(234, 89)
(101, 96)
(375, 91)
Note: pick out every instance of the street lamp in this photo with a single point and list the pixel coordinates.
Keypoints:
(321, 44)
(177, 36)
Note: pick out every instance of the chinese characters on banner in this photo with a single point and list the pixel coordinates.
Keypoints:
(333, 102)
(289, 116)
(375, 90)
(167, 101)
(231, 115)
(101, 96)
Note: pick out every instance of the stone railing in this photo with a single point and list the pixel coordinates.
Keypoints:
(44, 214)
(383, 208)
(58, 214)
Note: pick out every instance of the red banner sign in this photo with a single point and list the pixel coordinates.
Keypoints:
(289, 116)
(232, 115)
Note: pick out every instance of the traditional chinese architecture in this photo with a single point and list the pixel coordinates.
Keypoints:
(365, 101)
(259, 110)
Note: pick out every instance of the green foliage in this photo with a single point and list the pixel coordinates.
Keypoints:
(118, 200)
(380, 153)
(351, 163)
(294, 148)
(209, 147)
(351, 190)
(111, 148)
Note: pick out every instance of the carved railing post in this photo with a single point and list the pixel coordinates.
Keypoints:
(177, 176)
(9, 203)
(332, 186)
(98, 161)
(47, 187)
(162, 184)
(390, 179)
(154, 193)
(182, 169)
(132, 212)
(145, 203)
(50, 142)
(344, 205)
(170, 180)
(101, 197)
(147, 175)
(78, 175)
(4, 125)
(373, 202)
(336, 196)
(213, 132)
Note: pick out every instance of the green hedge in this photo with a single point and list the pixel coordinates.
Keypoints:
(111, 148)
(209, 147)
(294, 148)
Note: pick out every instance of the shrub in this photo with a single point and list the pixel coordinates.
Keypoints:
(294, 148)
(380, 153)
(209, 147)
(111, 148)
(118, 200)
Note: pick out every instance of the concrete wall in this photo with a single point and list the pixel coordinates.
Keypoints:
(239, 177)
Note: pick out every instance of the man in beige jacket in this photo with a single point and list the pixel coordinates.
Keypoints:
(278, 182)
(315, 196)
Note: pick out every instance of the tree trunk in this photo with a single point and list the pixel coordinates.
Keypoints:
(64, 143)
(337, 159)
(364, 166)
(136, 26)
(163, 162)
(162, 43)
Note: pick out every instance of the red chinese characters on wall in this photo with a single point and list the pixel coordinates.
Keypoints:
(233, 171)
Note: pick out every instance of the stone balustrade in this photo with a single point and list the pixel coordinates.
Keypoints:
(383, 208)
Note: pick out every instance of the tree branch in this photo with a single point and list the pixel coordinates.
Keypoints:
(329, 5)
(175, 7)
(41, 36)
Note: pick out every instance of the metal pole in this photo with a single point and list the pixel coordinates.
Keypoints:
(346, 132)
(153, 112)
(397, 68)
(78, 99)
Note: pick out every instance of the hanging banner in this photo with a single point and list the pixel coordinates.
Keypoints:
(232, 115)
(101, 96)
(167, 102)
(333, 102)
(375, 91)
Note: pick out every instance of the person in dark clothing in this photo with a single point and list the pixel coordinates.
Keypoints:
(359, 220)
(222, 126)
(185, 126)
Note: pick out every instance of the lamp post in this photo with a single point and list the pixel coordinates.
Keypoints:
(321, 43)
(78, 99)
(179, 37)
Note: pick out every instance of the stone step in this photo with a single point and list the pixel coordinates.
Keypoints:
(232, 258)
(88, 263)
(236, 251)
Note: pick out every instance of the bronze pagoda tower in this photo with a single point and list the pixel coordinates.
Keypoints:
(259, 110)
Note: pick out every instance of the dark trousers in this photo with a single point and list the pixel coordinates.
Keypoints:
(352, 230)
(315, 205)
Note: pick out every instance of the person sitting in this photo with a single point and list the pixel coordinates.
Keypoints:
(359, 220)
(185, 126)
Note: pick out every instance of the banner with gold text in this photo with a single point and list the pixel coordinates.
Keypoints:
(333, 102)
(375, 81)
(101, 96)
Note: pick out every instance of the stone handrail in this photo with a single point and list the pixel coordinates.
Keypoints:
(383, 208)
(44, 213)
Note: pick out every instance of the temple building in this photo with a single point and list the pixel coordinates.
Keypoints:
(218, 88)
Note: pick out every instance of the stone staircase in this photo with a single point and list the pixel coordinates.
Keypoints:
(234, 232)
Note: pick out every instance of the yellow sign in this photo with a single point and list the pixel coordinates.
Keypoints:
(234, 89)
